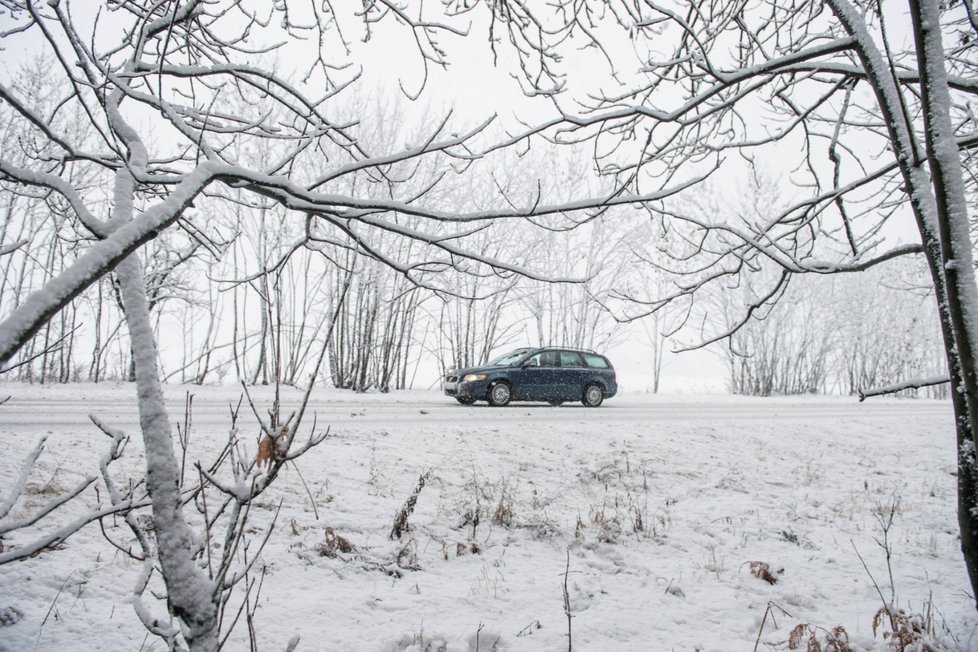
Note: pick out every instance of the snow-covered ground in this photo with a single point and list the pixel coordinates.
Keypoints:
(651, 509)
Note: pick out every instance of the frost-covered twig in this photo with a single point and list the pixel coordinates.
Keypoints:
(899, 387)
(66, 531)
(886, 605)
(47, 350)
(12, 247)
(50, 539)
(54, 504)
(567, 605)
(160, 627)
(771, 606)
(119, 441)
(241, 574)
(121, 503)
(884, 515)
(25, 470)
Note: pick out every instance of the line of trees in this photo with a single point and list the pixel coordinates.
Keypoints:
(245, 293)
(828, 336)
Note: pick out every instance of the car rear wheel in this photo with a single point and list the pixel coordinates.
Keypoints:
(500, 394)
(593, 396)
(465, 401)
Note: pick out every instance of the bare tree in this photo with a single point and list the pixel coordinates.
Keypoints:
(886, 332)
(787, 350)
(872, 115)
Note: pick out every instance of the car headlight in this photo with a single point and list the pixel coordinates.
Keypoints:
(471, 378)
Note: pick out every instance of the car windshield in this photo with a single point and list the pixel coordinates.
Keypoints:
(509, 359)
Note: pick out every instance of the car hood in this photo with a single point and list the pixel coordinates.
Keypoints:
(476, 370)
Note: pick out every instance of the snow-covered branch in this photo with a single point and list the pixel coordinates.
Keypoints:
(901, 387)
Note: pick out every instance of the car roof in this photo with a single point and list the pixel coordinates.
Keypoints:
(568, 348)
(540, 349)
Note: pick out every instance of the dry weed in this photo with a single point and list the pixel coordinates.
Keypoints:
(836, 639)
(503, 514)
(407, 556)
(906, 631)
(812, 637)
(334, 543)
(401, 524)
(50, 488)
(762, 570)
(609, 526)
(462, 549)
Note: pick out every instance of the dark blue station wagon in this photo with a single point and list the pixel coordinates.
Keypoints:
(551, 374)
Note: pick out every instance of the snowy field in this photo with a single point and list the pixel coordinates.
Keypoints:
(650, 510)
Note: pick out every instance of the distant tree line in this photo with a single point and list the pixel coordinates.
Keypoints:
(833, 335)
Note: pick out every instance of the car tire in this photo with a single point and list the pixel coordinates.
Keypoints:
(500, 394)
(593, 395)
(556, 403)
(465, 401)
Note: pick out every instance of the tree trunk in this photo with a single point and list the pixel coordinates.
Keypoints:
(957, 264)
(189, 591)
(936, 199)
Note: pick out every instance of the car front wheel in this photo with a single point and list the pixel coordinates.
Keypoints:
(593, 396)
(500, 394)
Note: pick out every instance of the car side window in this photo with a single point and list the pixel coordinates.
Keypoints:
(570, 359)
(595, 361)
(544, 359)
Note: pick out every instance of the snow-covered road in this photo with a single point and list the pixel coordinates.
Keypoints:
(68, 406)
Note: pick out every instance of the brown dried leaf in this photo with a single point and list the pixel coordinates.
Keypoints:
(762, 570)
(838, 640)
(333, 543)
(795, 638)
(266, 452)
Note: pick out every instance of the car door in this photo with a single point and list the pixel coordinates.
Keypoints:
(572, 375)
(539, 378)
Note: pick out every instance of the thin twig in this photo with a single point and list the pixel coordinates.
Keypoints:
(312, 500)
(770, 607)
(567, 609)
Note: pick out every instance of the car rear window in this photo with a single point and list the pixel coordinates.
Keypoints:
(595, 361)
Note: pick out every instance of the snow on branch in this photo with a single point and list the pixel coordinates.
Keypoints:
(60, 534)
(899, 387)
(18, 486)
